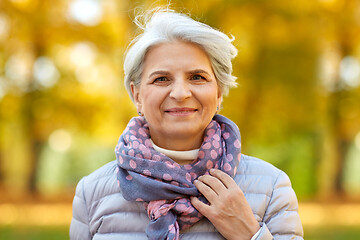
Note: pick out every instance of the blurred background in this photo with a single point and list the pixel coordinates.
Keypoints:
(63, 105)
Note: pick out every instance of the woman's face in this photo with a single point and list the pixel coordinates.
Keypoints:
(178, 94)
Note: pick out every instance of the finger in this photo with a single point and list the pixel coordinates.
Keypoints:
(214, 183)
(206, 190)
(203, 208)
(227, 181)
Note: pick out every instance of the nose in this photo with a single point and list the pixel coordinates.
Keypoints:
(180, 90)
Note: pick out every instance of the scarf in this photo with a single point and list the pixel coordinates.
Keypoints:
(164, 186)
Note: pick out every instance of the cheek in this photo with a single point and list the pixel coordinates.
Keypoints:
(210, 97)
(151, 98)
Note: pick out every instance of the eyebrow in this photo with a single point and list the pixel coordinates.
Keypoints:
(166, 73)
(196, 71)
(159, 73)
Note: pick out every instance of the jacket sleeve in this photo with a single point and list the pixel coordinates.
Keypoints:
(79, 227)
(282, 220)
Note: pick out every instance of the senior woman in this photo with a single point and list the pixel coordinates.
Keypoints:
(179, 172)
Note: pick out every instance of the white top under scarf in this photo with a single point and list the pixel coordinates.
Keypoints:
(182, 157)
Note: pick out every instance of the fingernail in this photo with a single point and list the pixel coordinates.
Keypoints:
(212, 170)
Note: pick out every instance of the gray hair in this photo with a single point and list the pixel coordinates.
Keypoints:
(166, 25)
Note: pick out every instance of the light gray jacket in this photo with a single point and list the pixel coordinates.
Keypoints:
(100, 212)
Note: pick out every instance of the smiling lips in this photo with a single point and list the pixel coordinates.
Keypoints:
(181, 111)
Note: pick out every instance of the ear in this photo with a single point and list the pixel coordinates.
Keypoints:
(136, 94)
(219, 99)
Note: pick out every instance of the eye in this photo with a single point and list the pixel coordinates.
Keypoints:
(197, 77)
(160, 80)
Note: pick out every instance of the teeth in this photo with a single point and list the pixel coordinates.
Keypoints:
(181, 111)
(185, 111)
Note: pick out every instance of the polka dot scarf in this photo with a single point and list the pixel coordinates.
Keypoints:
(164, 186)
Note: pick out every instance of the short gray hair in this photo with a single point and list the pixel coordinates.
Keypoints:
(164, 25)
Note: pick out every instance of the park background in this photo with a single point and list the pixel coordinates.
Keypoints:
(63, 104)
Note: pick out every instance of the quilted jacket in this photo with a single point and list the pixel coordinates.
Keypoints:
(100, 212)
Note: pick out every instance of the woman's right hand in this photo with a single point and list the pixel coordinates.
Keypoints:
(228, 209)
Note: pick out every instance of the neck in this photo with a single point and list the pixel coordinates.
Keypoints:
(178, 144)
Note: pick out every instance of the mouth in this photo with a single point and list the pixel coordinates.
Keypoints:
(181, 111)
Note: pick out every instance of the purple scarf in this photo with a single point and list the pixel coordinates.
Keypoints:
(148, 176)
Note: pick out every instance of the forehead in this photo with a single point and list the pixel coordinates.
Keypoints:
(176, 54)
